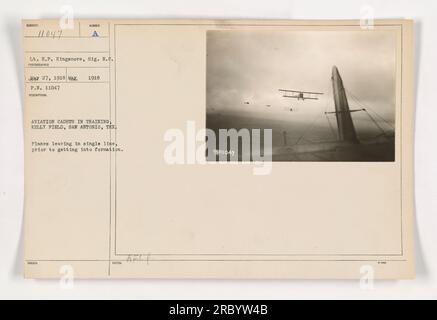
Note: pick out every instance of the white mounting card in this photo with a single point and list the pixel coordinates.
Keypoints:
(218, 149)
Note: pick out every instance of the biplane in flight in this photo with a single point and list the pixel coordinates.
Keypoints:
(300, 95)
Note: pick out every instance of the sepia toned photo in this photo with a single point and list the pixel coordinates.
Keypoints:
(325, 95)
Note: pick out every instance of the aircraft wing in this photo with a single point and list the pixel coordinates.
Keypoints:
(297, 91)
(298, 97)
(312, 92)
(286, 90)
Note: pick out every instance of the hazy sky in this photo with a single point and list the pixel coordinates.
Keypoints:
(252, 65)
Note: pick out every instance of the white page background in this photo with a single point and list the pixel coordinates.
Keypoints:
(12, 284)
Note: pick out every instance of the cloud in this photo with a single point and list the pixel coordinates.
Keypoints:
(252, 65)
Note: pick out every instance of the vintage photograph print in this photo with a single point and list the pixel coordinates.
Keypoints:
(301, 95)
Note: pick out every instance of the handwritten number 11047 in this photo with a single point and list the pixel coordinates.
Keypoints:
(50, 34)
